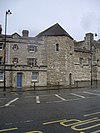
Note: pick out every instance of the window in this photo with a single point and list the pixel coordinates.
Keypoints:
(81, 60)
(32, 48)
(15, 47)
(35, 76)
(89, 61)
(1, 76)
(1, 46)
(57, 47)
(0, 60)
(32, 61)
(15, 60)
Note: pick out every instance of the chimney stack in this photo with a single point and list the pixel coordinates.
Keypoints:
(0, 29)
(25, 33)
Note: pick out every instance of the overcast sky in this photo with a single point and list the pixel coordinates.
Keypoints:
(77, 17)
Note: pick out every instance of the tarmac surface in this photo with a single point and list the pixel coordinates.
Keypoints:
(52, 111)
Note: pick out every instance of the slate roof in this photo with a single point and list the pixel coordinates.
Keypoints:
(55, 30)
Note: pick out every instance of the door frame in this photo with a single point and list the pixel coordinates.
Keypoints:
(19, 80)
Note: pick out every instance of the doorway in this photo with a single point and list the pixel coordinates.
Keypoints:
(19, 80)
(70, 79)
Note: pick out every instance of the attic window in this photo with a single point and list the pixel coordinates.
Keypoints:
(57, 47)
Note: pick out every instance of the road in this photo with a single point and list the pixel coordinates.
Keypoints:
(59, 111)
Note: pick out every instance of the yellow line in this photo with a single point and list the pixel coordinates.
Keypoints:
(92, 114)
(98, 131)
(9, 129)
(84, 123)
(46, 123)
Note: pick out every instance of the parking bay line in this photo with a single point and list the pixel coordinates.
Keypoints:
(91, 93)
(63, 99)
(77, 95)
(11, 102)
(37, 99)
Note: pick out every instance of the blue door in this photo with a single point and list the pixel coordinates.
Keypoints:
(19, 80)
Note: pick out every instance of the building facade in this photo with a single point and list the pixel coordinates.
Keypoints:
(52, 58)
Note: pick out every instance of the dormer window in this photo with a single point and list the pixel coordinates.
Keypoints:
(57, 47)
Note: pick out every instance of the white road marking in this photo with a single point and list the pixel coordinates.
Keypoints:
(68, 100)
(96, 90)
(78, 95)
(63, 99)
(11, 101)
(91, 93)
(37, 99)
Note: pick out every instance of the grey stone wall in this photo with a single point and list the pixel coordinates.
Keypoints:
(59, 63)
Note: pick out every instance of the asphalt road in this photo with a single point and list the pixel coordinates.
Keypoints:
(63, 111)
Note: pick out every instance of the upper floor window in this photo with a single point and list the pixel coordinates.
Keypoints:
(81, 60)
(32, 48)
(15, 47)
(57, 47)
(1, 76)
(15, 60)
(1, 46)
(32, 61)
(0, 60)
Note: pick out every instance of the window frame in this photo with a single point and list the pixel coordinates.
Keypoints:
(32, 61)
(35, 76)
(1, 46)
(15, 60)
(0, 60)
(57, 47)
(15, 47)
(1, 76)
(32, 48)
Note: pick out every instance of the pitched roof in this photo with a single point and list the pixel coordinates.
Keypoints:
(55, 30)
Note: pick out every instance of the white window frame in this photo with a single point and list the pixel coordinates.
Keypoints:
(35, 76)
(32, 61)
(1, 76)
(1, 46)
(0, 60)
(32, 48)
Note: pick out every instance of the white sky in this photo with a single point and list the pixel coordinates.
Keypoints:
(77, 17)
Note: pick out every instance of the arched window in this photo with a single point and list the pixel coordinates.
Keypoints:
(57, 47)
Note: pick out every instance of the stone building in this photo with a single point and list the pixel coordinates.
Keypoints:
(52, 58)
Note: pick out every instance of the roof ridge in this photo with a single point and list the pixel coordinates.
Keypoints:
(54, 30)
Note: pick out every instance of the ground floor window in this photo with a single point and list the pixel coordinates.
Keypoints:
(0, 60)
(1, 76)
(35, 76)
